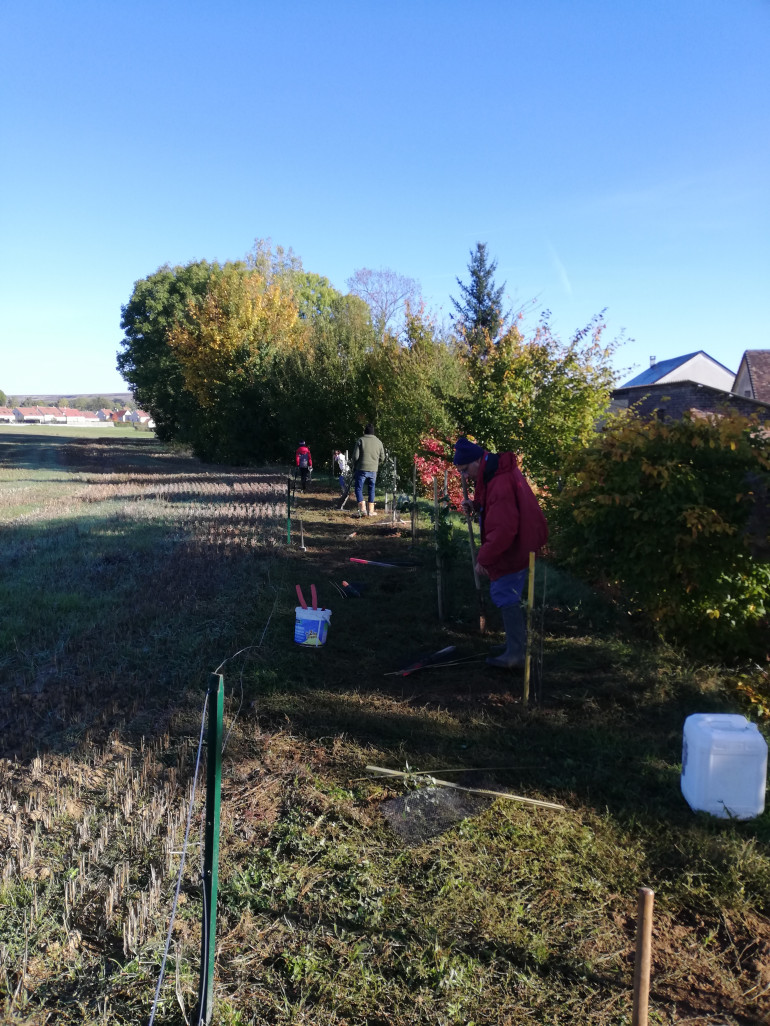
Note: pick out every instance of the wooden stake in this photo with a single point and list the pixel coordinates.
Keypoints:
(439, 583)
(643, 956)
(476, 577)
(530, 603)
(414, 500)
(395, 489)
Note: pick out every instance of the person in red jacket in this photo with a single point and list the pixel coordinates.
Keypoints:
(304, 462)
(512, 526)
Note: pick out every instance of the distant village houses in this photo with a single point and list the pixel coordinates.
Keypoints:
(65, 415)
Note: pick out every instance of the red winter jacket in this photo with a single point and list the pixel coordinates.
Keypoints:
(304, 451)
(512, 523)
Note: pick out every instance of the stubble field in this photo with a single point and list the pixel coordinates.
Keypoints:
(128, 573)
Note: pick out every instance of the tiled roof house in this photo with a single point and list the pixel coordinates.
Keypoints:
(753, 377)
(28, 414)
(51, 414)
(72, 416)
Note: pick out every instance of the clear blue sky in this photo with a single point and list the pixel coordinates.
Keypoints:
(611, 153)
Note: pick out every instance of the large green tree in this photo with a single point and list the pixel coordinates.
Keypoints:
(233, 347)
(408, 386)
(326, 388)
(152, 369)
(242, 360)
(480, 308)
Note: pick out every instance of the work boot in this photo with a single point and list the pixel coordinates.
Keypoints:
(370, 509)
(513, 655)
(361, 511)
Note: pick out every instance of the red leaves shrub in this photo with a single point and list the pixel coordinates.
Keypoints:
(434, 460)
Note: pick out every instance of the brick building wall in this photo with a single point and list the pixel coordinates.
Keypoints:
(673, 399)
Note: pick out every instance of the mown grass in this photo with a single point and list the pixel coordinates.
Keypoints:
(128, 574)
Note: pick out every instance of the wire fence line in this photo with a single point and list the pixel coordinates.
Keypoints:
(207, 912)
(181, 862)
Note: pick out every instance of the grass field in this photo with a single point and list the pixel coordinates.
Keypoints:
(128, 573)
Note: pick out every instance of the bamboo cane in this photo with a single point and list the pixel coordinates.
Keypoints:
(395, 489)
(414, 501)
(643, 956)
(476, 575)
(470, 790)
(439, 582)
(530, 603)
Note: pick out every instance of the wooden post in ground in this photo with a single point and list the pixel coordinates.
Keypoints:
(530, 603)
(476, 577)
(395, 489)
(439, 581)
(643, 957)
(414, 501)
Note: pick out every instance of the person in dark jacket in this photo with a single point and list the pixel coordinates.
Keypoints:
(512, 526)
(304, 462)
(368, 456)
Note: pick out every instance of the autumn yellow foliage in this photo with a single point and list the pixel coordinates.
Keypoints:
(233, 336)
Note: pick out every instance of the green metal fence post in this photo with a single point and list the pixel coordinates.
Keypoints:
(211, 848)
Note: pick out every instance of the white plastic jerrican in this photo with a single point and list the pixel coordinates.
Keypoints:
(311, 626)
(724, 765)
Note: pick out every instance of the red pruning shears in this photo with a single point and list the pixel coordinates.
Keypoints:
(313, 597)
(428, 660)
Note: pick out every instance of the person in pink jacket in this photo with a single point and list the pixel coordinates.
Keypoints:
(304, 463)
(512, 526)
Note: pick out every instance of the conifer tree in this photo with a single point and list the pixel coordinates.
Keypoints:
(480, 311)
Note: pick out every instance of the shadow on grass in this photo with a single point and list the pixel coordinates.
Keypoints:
(112, 624)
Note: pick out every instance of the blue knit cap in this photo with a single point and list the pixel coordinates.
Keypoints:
(466, 452)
